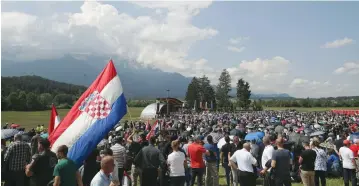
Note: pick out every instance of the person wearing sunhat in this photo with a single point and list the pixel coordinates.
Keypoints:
(349, 164)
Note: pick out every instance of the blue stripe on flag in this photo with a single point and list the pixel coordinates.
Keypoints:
(89, 140)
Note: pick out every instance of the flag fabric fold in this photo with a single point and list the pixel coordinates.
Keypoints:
(154, 130)
(96, 112)
(54, 119)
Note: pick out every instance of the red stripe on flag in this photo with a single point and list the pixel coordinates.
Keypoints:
(101, 81)
(52, 119)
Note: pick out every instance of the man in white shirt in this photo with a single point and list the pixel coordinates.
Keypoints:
(245, 162)
(177, 163)
(349, 164)
(267, 152)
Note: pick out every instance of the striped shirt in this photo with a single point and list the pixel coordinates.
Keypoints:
(119, 154)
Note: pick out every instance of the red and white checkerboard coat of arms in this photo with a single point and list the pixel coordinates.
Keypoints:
(96, 106)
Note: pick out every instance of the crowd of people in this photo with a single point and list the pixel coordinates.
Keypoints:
(270, 148)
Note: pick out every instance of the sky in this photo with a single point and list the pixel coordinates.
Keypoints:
(305, 49)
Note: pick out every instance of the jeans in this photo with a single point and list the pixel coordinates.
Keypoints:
(320, 175)
(235, 177)
(349, 174)
(212, 178)
(177, 181)
(188, 176)
(227, 170)
(247, 178)
(197, 173)
(307, 178)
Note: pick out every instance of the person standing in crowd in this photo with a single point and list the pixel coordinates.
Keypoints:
(114, 175)
(212, 178)
(195, 153)
(17, 156)
(266, 155)
(225, 150)
(90, 168)
(103, 177)
(188, 167)
(42, 166)
(281, 163)
(236, 145)
(150, 159)
(320, 163)
(349, 164)
(134, 148)
(119, 154)
(307, 161)
(333, 164)
(65, 172)
(245, 162)
(34, 143)
(255, 149)
(339, 142)
(177, 163)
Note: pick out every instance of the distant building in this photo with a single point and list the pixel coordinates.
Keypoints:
(160, 107)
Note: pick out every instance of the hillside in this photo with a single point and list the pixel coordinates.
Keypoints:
(138, 82)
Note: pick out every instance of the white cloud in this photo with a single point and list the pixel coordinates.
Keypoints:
(338, 43)
(100, 29)
(262, 74)
(235, 49)
(237, 40)
(350, 68)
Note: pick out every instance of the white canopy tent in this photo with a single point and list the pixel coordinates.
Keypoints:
(149, 112)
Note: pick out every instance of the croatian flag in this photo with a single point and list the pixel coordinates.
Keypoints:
(153, 131)
(96, 112)
(54, 119)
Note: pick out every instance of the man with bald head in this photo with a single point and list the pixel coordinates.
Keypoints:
(103, 177)
(245, 162)
(281, 163)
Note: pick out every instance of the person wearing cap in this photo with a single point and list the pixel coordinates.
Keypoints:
(195, 153)
(349, 164)
(18, 155)
(119, 154)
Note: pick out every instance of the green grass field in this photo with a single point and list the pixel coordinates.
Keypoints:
(30, 120)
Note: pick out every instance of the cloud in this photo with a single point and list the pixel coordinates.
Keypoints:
(350, 68)
(338, 43)
(162, 42)
(261, 73)
(235, 49)
(237, 40)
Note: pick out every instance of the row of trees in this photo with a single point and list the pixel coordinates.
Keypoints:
(200, 90)
(323, 102)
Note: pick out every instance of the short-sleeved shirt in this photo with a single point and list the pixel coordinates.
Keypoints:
(339, 143)
(235, 147)
(175, 161)
(244, 159)
(282, 158)
(355, 149)
(226, 149)
(66, 169)
(308, 157)
(195, 152)
(101, 179)
(347, 156)
(42, 168)
(213, 152)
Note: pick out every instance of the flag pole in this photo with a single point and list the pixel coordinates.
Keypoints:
(128, 110)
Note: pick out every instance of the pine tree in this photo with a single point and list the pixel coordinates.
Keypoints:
(223, 88)
(192, 93)
(243, 94)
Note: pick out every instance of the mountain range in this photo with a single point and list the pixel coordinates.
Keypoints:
(138, 82)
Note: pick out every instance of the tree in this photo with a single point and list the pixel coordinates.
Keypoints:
(4, 103)
(223, 88)
(45, 100)
(192, 94)
(62, 99)
(243, 94)
(21, 105)
(206, 91)
(32, 102)
(257, 106)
